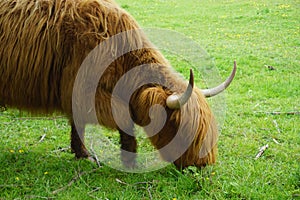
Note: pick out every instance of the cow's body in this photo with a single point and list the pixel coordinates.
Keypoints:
(44, 44)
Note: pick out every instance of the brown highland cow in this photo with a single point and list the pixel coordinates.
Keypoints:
(43, 45)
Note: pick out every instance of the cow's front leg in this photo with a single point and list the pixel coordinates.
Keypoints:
(128, 148)
(77, 142)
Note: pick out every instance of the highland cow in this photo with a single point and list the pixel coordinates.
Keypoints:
(44, 43)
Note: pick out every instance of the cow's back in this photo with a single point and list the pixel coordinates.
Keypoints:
(40, 39)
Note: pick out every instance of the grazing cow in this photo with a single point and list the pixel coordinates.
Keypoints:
(45, 42)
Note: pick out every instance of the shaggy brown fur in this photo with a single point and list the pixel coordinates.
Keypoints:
(44, 42)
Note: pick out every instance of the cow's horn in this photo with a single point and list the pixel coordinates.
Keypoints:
(175, 101)
(220, 88)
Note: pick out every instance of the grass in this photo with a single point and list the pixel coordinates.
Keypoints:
(256, 34)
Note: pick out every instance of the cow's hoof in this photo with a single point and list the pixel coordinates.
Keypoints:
(129, 162)
(128, 159)
(130, 165)
(2, 108)
(80, 153)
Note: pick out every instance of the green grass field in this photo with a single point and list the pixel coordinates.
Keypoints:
(263, 106)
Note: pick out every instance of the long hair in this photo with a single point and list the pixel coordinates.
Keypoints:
(45, 43)
(197, 140)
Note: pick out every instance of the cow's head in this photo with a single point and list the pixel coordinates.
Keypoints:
(189, 134)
